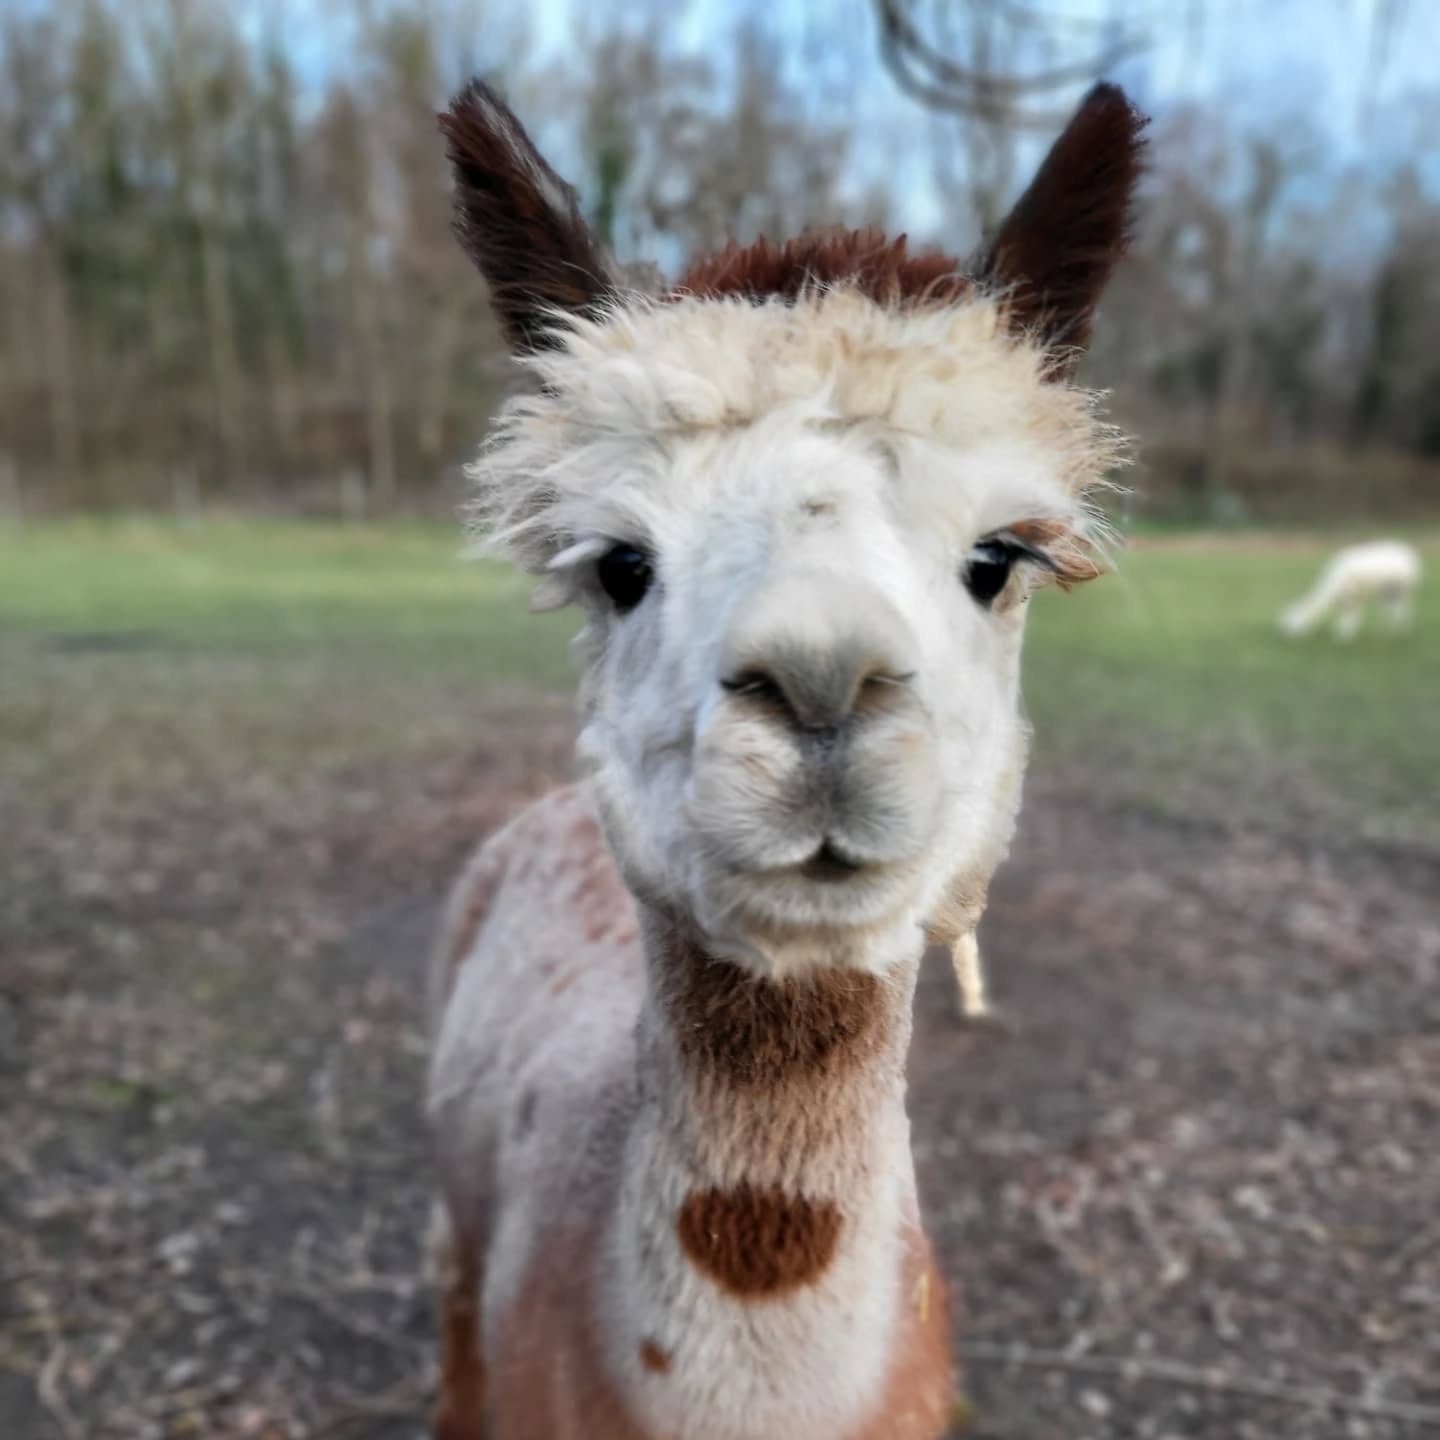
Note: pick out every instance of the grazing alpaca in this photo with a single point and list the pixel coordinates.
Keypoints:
(1385, 572)
(802, 499)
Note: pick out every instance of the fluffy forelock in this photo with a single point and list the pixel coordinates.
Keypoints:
(623, 380)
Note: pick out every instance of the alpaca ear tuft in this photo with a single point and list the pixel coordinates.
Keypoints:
(520, 222)
(1053, 254)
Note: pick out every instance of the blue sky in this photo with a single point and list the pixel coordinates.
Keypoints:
(1297, 70)
(1289, 68)
(1301, 71)
(1271, 58)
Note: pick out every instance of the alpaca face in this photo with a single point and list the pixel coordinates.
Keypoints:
(796, 726)
(803, 501)
(803, 537)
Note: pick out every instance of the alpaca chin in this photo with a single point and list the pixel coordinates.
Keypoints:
(788, 925)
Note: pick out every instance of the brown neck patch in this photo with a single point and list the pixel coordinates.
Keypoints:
(758, 1031)
(883, 270)
(758, 1244)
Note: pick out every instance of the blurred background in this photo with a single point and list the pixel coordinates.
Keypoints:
(228, 279)
(254, 709)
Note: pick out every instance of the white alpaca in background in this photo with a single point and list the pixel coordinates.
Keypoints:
(1385, 573)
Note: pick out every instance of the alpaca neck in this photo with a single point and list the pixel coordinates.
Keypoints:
(767, 1225)
(1311, 608)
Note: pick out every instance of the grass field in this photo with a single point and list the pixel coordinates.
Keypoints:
(1169, 676)
(401, 594)
(240, 763)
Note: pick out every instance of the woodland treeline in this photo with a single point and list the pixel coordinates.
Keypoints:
(226, 275)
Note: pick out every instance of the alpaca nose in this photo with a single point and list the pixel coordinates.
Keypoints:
(819, 651)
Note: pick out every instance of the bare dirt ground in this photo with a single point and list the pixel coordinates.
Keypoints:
(1194, 1193)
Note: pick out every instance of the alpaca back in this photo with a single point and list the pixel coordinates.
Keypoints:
(535, 989)
(1376, 568)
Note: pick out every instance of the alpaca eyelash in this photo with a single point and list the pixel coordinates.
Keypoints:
(560, 584)
(1025, 549)
(577, 554)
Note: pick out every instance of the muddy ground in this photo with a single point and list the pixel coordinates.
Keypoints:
(1193, 1192)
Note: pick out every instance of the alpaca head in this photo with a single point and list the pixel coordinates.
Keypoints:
(1295, 620)
(803, 499)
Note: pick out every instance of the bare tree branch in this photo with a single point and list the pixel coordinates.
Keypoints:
(944, 82)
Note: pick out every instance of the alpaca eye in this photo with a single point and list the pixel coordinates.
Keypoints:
(625, 574)
(988, 568)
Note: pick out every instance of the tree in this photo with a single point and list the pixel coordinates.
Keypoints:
(994, 65)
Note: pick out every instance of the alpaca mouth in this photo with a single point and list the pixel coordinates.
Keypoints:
(828, 865)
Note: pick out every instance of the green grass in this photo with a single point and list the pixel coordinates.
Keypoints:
(1168, 678)
(1182, 640)
(398, 595)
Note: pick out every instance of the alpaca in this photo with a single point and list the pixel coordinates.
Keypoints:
(953, 923)
(802, 499)
(1385, 572)
(970, 976)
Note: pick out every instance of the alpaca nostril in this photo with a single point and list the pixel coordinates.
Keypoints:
(758, 684)
(820, 692)
(880, 690)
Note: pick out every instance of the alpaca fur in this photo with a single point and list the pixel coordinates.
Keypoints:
(1385, 573)
(951, 384)
(672, 1003)
(953, 922)
(885, 271)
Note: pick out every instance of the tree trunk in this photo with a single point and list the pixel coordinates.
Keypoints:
(284, 403)
(224, 362)
(64, 406)
(379, 404)
(434, 400)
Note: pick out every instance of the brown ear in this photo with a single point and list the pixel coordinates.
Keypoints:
(519, 221)
(1054, 252)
